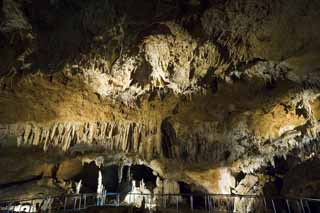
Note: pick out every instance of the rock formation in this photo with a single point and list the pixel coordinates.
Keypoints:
(200, 91)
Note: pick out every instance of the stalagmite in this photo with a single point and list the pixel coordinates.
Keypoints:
(78, 187)
(101, 192)
(138, 194)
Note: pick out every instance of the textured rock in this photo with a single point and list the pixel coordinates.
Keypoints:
(32, 190)
(215, 181)
(197, 90)
(251, 185)
(170, 187)
(69, 169)
(266, 35)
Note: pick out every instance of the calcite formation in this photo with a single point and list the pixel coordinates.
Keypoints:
(216, 94)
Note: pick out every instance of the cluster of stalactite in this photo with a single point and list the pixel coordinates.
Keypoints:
(128, 137)
(198, 145)
(152, 141)
(302, 142)
(114, 136)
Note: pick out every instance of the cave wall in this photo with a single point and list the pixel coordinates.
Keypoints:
(198, 90)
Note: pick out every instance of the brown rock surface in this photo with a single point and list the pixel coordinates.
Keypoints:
(199, 91)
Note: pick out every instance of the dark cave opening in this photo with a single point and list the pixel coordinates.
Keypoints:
(198, 196)
(137, 173)
(110, 178)
(239, 177)
(184, 187)
(276, 189)
(140, 172)
(115, 178)
(89, 177)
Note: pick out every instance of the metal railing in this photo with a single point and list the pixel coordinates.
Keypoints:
(175, 202)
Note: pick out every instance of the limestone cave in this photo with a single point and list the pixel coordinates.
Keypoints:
(160, 106)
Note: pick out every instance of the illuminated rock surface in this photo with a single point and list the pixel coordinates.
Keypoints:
(220, 95)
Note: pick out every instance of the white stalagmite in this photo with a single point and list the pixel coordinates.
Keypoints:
(138, 194)
(226, 181)
(134, 196)
(100, 187)
(78, 188)
(101, 192)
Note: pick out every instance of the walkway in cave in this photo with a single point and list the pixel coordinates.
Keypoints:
(120, 196)
(166, 203)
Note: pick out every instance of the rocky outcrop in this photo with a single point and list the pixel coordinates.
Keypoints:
(251, 185)
(266, 36)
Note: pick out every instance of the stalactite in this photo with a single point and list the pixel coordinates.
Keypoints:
(129, 174)
(117, 136)
(120, 173)
(145, 140)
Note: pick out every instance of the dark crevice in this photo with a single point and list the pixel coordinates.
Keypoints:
(198, 198)
(89, 177)
(270, 85)
(209, 81)
(32, 179)
(55, 171)
(248, 64)
(239, 177)
(140, 172)
(168, 138)
(301, 111)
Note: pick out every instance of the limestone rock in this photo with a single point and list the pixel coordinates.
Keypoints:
(69, 169)
(196, 90)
